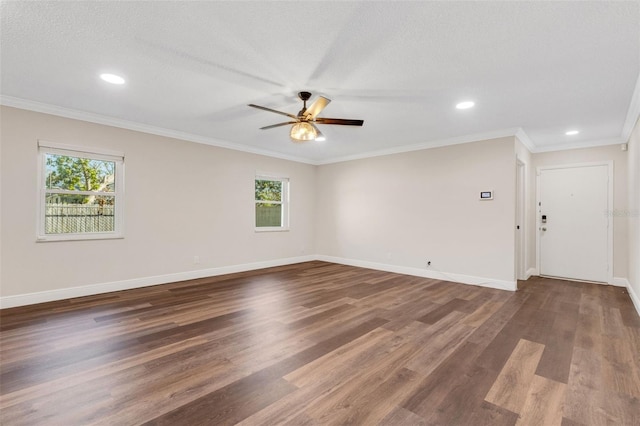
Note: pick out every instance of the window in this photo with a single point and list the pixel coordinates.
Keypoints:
(81, 193)
(272, 203)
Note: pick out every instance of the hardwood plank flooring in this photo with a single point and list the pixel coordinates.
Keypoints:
(510, 388)
(325, 344)
(544, 403)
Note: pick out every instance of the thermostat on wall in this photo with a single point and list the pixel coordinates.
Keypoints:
(486, 195)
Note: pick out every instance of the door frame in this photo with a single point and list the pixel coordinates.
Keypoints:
(521, 220)
(609, 165)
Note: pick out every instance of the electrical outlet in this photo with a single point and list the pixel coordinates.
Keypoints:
(196, 260)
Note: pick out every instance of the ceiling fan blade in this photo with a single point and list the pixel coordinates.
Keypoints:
(316, 107)
(277, 125)
(273, 110)
(340, 121)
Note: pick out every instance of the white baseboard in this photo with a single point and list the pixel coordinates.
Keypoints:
(531, 272)
(92, 289)
(619, 282)
(426, 273)
(634, 297)
(88, 290)
(623, 282)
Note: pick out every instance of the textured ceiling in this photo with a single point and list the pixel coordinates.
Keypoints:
(192, 67)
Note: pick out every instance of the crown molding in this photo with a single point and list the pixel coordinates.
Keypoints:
(525, 139)
(476, 137)
(632, 114)
(45, 108)
(41, 107)
(579, 145)
(518, 132)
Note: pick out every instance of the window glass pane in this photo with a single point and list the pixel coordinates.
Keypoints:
(268, 190)
(79, 174)
(268, 214)
(68, 213)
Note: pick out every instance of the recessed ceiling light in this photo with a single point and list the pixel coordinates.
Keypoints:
(465, 105)
(112, 78)
(572, 132)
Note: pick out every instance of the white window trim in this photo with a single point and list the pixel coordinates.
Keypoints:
(46, 147)
(284, 203)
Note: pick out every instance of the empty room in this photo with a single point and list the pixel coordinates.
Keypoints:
(319, 213)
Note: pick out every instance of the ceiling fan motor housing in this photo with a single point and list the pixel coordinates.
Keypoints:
(304, 95)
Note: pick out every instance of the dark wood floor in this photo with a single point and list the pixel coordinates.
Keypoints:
(319, 343)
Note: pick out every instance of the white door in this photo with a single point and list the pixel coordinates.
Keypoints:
(573, 222)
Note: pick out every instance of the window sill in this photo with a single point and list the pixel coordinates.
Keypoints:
(77, 237)
(274, 229)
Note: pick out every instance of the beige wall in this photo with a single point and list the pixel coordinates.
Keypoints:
(182, 200)
(633, 216)
(405, 209)
(187, 199)
(620, 222)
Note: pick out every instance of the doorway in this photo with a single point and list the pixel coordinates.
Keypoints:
(575, 233)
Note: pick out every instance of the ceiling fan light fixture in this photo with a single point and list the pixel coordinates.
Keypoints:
(303, 132)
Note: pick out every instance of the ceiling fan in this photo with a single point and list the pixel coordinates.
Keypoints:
(304, 124)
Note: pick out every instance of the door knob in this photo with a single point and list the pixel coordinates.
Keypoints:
(544, 228)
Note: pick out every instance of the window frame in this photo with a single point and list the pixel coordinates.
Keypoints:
(284, 203)
(44, 148)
